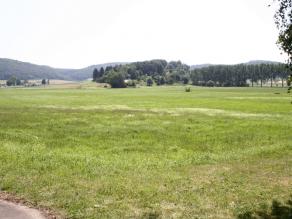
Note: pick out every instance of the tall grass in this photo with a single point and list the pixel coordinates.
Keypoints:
(146, 152)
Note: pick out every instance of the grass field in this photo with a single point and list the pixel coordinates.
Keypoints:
(147, 152)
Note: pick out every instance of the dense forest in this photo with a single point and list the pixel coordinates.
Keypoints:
(162, 72)
(159, 72)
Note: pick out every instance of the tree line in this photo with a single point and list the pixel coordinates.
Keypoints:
(14, 81)
(161, 72)
(240, 75)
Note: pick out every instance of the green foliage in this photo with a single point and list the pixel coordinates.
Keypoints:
(210, 83)
(289, 82)
(131, 83)
(185, 80)
(149, 82)
(283, 19)
(188, 89)
(197, 77)
(101, 72)
(237, 75)
(159, 71)
(115, 79)
(278, 210)
(170, 78)
(159, 80)
(13, 81)
(95, 74)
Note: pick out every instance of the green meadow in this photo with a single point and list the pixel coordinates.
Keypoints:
(155, 152)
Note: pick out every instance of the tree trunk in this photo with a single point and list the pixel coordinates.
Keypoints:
(282, 82)
(261, 83)
(271, 82)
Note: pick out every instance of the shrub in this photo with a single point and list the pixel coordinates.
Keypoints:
(13, 81)
(210, 83)
(131, 83)
(188, 89)
(149, 82)
(116, 79)
(186, 80)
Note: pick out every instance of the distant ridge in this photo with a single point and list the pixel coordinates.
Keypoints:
(257, 62)
(252, 62)
(200, 66)
(26, 70)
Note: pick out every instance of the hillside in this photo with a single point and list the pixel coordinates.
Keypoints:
(85, 73)
(252, 62)
(258, 62)
(200, 66)
(25, 70)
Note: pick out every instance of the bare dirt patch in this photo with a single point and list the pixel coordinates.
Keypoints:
(48, 213)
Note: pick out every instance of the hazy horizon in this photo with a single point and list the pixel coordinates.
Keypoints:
(121, 62)
(76, 34)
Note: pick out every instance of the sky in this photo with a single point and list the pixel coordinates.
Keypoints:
(78, 33)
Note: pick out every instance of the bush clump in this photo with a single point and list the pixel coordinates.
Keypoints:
(210, 83)
(188, 89)
(115, 79)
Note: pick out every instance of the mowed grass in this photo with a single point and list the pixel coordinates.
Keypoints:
(147, 152)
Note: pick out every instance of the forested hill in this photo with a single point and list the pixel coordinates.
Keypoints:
(160, 71)
(26, 71)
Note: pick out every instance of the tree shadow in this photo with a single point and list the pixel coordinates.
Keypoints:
(151, 215)
(278, 210)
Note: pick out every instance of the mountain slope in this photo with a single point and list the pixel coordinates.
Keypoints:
(26, 71)
(85, 73)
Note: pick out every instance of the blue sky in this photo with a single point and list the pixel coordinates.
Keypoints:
(77, 33)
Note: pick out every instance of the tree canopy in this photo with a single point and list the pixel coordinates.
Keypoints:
(283, 19)
(161, 72)
(239, 75)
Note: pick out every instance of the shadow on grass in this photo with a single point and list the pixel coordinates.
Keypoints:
(151, 215)
(278, 210)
